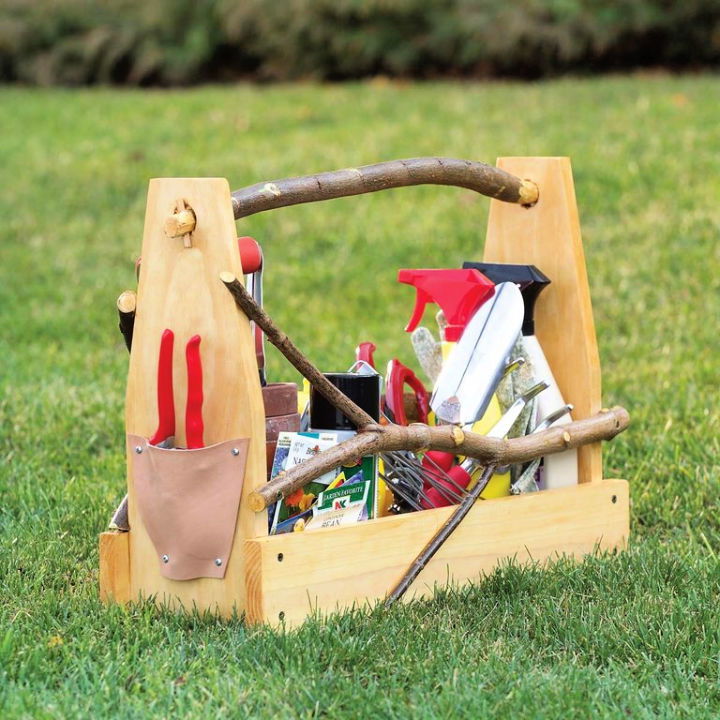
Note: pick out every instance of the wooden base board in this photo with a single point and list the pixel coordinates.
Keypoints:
(292, 576)
(115, 567)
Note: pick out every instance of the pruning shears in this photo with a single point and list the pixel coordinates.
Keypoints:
(397, 376)
(194, 427)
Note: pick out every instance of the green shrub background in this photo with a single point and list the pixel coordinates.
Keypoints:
(168, 42)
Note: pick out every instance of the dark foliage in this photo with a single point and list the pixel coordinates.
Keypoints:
(142, 42)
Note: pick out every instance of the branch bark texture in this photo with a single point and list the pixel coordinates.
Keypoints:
(484, 179)
(300, 362)
(491, 451)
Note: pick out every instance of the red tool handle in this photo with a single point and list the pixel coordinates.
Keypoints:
(434, 498)
(364, 353)
(438, 459)
(166, 404)
(251, 257)
(399, 375)
(193, 409)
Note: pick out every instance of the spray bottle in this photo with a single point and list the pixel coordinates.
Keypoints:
(459, 293)
(561, 469)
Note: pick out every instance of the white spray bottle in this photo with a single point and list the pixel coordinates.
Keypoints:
(560, 469)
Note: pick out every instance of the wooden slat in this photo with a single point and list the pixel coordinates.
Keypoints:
(115, 567)
(325, 570)
(548, 235)
(180, 289)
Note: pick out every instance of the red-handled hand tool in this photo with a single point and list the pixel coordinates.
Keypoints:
(251, 259)
(437, 459)
(364, 352)
(193, 408)
(399, 375)
(166, 403)
(461, 475)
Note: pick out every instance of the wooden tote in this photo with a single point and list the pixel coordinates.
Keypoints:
(285, 578)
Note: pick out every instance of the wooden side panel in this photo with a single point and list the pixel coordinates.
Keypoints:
(180, 289)
(290, 576)
(115, 567)
(548, 235)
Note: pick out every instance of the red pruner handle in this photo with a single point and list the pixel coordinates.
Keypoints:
(438, 460)
(166, 404)
(435, 498)
(364, 353)
(399, 375)
(193, 409)
(251, 257)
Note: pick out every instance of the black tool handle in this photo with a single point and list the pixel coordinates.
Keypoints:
(126, 304)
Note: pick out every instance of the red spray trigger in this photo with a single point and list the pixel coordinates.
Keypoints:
(459, 292)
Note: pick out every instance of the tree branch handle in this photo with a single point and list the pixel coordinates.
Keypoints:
(491, 451)
(484, 179)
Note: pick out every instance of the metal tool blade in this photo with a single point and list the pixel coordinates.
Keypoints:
(503, 425)
(477, 361)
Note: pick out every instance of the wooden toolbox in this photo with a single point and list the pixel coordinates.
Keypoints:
(284, 578)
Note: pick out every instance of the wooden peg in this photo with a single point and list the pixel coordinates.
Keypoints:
(181, 223)
(126, 306)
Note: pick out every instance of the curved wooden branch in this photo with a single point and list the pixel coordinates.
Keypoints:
(287, 347)
(484, 179)
(491, 451)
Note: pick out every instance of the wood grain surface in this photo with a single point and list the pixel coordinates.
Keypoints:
(548, 235)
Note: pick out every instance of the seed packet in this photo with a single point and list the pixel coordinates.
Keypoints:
(294, 449)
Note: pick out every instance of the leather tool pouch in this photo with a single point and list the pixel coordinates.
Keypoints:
(188, 501)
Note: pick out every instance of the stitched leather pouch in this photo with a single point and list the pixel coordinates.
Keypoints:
(188, 501)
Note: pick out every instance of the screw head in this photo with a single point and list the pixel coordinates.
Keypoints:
(138, 449)
(235, 451)
(218, 561)
(165, 559)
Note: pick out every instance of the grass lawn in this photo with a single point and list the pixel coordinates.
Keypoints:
(634, 635)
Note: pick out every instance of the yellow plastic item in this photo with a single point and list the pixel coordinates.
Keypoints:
(304, 396)
(384, 496)
(499, 485)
